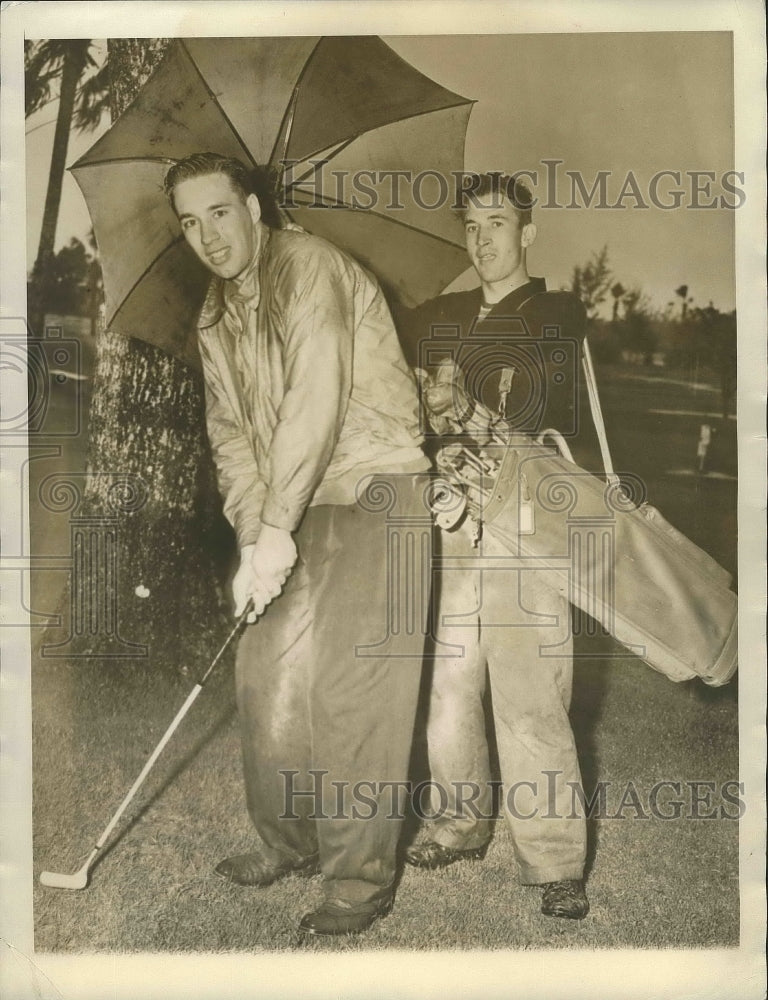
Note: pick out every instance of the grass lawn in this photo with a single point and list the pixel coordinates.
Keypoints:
(653, 883)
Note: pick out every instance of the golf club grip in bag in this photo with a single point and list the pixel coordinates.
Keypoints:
(651, 588)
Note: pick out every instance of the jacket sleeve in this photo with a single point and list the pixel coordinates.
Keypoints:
(408, 324)
(240, 482)
(318, 335)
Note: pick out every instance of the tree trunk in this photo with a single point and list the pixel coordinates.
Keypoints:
(151, 488)
(131, 62)
(93, 295)
(74, 62)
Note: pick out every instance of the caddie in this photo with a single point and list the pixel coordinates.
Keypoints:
(511, 349)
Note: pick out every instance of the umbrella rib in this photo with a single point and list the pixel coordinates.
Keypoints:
(410, 117)
(142, 276)
(213, 97)
(332, 203)
(130, 105)
(123, 159)
(290, 109)
(317, 166)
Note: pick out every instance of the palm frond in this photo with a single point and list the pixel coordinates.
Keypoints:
(92, 100)
(42, 66)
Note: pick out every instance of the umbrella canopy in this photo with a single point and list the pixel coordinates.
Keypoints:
(338, 116)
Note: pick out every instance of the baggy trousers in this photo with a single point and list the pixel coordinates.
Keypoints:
(327, 694)
(514, 623)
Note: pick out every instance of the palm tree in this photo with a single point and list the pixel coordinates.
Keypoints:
(682, 291)
(592, 281)
(146, 426)
(617, 291)
(46, 62)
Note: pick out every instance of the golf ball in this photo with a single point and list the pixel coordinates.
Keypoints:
(141, 591)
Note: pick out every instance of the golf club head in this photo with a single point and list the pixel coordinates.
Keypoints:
(58, 880)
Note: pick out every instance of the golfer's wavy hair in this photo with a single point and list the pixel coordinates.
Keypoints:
(258, 180)
(509, 185)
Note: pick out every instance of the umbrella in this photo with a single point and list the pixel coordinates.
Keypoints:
(321, 110)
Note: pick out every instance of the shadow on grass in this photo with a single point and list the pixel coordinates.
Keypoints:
(224, 719)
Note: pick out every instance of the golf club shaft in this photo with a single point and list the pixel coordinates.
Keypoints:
(169, 733)
(149, 764)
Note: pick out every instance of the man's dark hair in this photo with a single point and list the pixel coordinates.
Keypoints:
(257, 180)
(510, 186)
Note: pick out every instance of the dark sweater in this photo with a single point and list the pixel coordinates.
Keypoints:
(531, 338)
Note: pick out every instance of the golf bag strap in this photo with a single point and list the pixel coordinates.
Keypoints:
(594, 405)
(560, 443)
(597, 412)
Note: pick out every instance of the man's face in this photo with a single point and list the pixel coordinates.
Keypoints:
(495, 238)
(217, 223)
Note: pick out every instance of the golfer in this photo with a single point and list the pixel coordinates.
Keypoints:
(310, 407)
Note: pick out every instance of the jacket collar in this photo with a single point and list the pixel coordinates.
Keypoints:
(222, 293)
(510, 303)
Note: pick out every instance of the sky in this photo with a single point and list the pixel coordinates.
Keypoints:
(624, 103)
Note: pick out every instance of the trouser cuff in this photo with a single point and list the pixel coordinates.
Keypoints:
(560, 873)
(459, 837)
(357, 890)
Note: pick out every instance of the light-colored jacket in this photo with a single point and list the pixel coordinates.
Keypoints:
(307, 390)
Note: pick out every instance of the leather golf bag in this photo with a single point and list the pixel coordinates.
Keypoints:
(613, 556)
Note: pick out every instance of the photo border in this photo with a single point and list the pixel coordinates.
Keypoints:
(737, 972)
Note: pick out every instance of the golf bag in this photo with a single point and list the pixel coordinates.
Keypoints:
(612, 555)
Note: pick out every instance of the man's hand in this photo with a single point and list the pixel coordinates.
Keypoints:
(264, 568)
(449, 408)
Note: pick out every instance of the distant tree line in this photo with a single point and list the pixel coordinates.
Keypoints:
(63, 70)
(70, 284)
(698, 340)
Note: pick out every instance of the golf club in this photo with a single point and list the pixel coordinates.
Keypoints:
(79, 880)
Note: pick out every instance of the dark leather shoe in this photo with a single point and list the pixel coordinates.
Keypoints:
(253, 869)
(430, 854)
(565, 899)
(337, 916)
